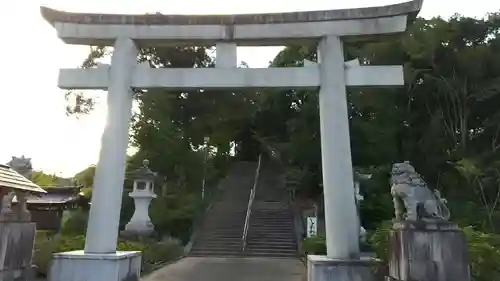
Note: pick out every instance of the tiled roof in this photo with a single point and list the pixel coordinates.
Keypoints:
(55, 195)
(50, 199)
(12, 179)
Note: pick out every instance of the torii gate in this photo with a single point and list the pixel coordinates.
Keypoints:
(331, 75)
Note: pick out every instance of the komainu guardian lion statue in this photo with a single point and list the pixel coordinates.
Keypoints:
(409, 191)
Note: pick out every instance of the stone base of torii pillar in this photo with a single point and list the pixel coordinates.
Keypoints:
(78, 265)
(323, 268)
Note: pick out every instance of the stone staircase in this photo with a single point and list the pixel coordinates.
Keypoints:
(271, 232)
(222, 228)
(271, 229)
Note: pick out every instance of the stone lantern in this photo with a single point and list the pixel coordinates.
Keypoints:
(142, 193)
(358, 178)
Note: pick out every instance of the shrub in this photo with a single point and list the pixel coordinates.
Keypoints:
(153, 253)
(165, 250)
(379, 240)
(173, 216)
(315, 245)
(76, 224)
(484, 253)
(42, 256)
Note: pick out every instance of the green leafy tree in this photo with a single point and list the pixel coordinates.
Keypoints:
(42, 179)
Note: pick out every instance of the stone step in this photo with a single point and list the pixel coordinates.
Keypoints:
(217, 244)
(271, 213)
(289, 250)
(218, 232)
(229, 243)
(225, 218)
(286, 216)
(271, 243)
(225, 221)
(273, 217)
(276, 239)
(215, 254)
(223, 225)
(275, 231)
(224, 234)
(271, 221)
(227, 213)
(272, 250)
(231, 247)
(285, 248)
(227, 232)
(270, 229)
(277, 223)
(217, 250)
(222, 228)
(249, 252)
(265, 232)
(220, 238)
(280, 223)
(274, 225)
(269, 239)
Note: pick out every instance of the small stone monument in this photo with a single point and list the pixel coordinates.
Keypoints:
(424, 245)
(142, 193)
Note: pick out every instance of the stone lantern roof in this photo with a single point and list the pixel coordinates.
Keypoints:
(143, 173)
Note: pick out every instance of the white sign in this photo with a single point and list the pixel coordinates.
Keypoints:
(312, 226)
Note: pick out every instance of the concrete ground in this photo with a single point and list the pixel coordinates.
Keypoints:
(231, 269)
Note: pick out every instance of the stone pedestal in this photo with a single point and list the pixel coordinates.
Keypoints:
(322, 268)
(142, 193)
(140, 223)
(80, 266)
(16, 249)
(424, 251)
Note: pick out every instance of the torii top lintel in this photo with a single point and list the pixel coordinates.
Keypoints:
(77, 28)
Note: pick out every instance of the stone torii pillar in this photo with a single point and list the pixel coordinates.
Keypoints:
(104, 217)
(331, 75)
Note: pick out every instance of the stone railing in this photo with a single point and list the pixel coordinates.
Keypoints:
(17, 236)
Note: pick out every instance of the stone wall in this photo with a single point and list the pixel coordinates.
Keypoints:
(16, 249)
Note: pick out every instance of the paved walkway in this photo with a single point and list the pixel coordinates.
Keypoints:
(231, 269)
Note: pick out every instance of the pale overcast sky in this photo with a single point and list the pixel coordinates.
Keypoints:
(32, 116)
